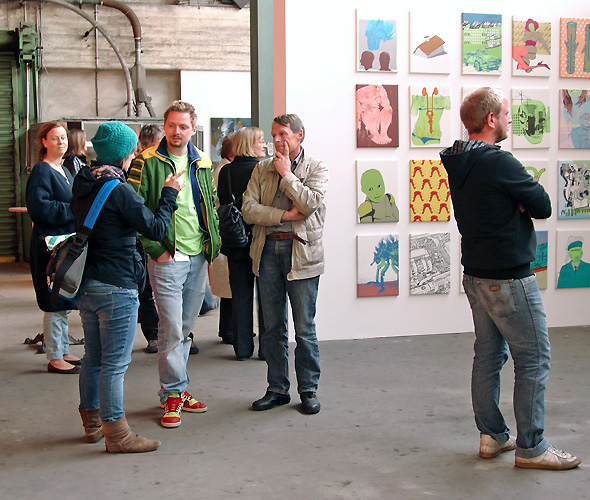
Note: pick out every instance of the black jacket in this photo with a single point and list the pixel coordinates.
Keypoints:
(488, 187)
(48, 203)
(112, 254)
(240, 171)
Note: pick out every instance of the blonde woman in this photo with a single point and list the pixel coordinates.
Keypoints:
(248, 148)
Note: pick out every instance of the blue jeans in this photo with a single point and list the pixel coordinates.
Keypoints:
(55, 334)
(179, 288)
(275, 265)
(109, 318)
(509, 317)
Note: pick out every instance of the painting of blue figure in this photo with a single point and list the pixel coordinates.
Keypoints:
(573, 259)
(376, 44)
(377, 265)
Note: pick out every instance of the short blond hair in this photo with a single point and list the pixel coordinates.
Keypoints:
(182, 107)
(243, 142)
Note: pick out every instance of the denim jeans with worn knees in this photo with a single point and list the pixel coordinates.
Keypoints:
(509, 317)
(275, 265)
(109, 318)
(179, 288)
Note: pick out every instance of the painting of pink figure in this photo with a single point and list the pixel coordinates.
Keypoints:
(531, 48)
(377, 121)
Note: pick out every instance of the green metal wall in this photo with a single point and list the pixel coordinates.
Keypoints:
(8, 233)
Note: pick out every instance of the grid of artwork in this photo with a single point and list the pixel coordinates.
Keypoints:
(432, 111)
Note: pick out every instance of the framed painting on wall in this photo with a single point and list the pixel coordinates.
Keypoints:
(377, 191)
(531, 47)
(539, 265)
(482, 44)
(429, 41)
(376, 47)
(430, 197)
(430, 263)
(574, 38)
(377, 265)
(530, 118)
(220, 127)
(573, 268)
(538, 170)
(377, 120)
(430, 117)
(573, 184)
(574, 119)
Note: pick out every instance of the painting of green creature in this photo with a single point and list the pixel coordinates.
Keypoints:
(377, 265)
(378, 206)
(377, 191)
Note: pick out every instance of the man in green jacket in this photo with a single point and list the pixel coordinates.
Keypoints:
(178, 263)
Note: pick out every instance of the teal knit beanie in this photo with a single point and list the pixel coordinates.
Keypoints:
(113, 142)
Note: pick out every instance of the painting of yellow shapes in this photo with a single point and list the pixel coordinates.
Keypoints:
(574, 57)
(531, 48)
(430, 198)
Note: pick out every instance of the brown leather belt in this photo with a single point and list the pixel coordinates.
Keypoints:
(279, 235)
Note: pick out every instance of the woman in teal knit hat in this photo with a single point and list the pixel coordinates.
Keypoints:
(108, 296)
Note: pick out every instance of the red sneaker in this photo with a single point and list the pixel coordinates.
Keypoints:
(191, 404)
(172, 409)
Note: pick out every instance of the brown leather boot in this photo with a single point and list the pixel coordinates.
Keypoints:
(92, 426)
(120, 439)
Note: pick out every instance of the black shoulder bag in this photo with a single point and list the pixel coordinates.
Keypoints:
(231, 223)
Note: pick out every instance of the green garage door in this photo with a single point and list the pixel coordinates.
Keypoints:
(8, 247)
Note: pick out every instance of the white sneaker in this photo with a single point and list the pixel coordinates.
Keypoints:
(490, 448)
(552, 459)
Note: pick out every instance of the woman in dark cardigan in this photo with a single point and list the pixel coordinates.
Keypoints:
(48, 193)
(248, 148)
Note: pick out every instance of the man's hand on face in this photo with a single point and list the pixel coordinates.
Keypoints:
(281, 160)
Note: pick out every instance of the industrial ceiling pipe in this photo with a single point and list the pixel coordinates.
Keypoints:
(108, 38)
(138, 71)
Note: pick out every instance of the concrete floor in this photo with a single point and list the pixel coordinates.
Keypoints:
(396, 423)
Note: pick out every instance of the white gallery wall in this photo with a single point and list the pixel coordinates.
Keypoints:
(321, 79)
(216, 94)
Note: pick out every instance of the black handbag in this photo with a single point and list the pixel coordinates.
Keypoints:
(232, 227)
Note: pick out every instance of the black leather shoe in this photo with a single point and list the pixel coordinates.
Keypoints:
(310, 403)
(270, 400)
(70, 371)
(77, 362)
